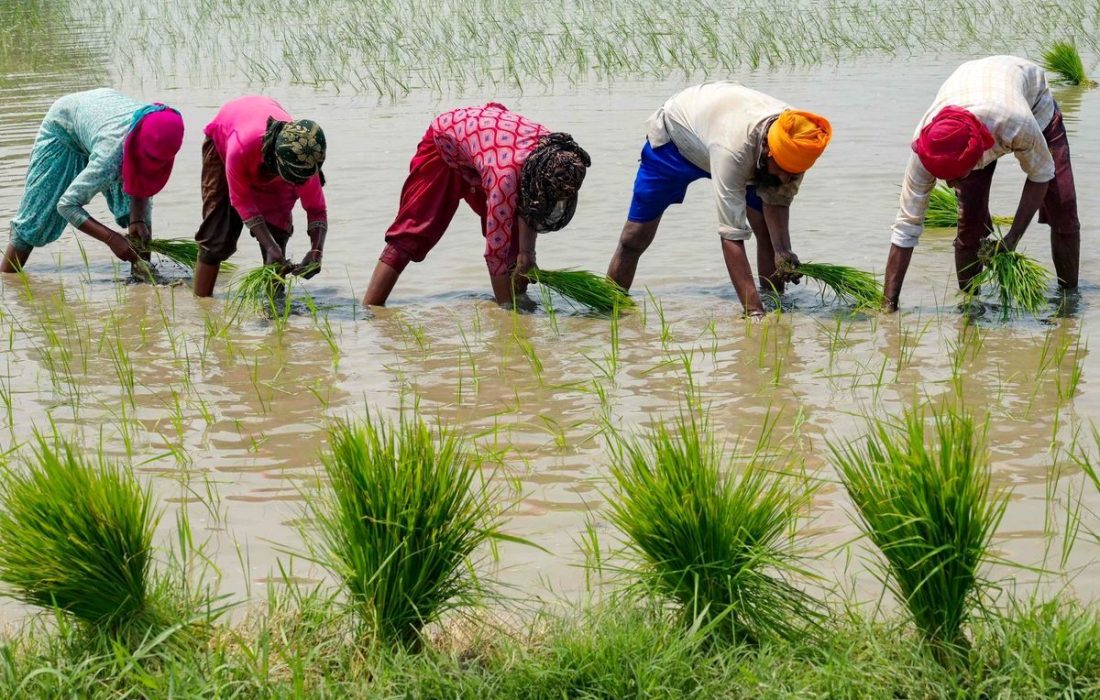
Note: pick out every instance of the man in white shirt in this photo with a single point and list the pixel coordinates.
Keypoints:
(986, 109)
(754, 148)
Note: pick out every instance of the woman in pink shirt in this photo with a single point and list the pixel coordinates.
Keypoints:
(519, 177)
(256, 163)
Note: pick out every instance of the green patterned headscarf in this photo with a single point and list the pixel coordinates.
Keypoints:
(295, 150)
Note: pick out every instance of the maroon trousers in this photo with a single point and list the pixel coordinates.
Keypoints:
(1059, 210)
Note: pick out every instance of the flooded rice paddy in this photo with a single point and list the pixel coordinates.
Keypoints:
(226, 416)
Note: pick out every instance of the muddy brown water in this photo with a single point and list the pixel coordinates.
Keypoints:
(230, 420)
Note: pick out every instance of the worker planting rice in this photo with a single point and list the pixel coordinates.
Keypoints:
(98, 141)
(257, 161)
(755, 149)
(517, 175)
(987, 109)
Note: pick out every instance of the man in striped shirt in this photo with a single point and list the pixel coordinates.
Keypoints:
(986, 109)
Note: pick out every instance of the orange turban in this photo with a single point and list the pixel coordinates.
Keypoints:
(797, 138)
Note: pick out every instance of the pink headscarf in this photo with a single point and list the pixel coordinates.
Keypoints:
(154, 139)
(952, 143)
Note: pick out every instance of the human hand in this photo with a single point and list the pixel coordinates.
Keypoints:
(524, 263)
(123, 250)
(310, 265)
(991, 246)
(786, 266)
(274, 255)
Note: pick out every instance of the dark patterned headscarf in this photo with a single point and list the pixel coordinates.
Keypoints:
(553, 173)
(295, 150)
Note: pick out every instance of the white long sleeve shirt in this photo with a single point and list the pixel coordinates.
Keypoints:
(1011, 97)
(721, 127)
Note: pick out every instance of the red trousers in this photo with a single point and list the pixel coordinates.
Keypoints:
(429, 199)
(1059, 209)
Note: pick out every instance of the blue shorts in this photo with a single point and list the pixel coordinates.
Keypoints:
(663, 178)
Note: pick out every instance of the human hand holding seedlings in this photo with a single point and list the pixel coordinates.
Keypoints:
(139, 233)
(786, 266)
(310, 265)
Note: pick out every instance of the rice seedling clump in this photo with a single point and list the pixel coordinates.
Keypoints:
(1064, 60)
(925, 502)
(715, 544)
(943, 209)
(401, 523)
(584, 289)
(182, 251)
(77, 536)
(847, 283)
(1020, 281)
(260, 289)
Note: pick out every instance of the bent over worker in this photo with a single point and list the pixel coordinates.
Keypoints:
(98, 141)
(986, 109)
(257, 161)
(755, 149)
(517, 175)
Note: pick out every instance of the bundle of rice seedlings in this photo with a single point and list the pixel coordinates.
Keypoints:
(78, 536)
(847, 283)
(402, 523)
(182, 251)
(1020, 281)
(715, 544)
(584, 289)
(926, 503)
(1063, 59)
(260, 289)
(943, 209)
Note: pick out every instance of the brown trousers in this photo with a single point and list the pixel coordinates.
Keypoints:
(1059, 210)
(221, 224)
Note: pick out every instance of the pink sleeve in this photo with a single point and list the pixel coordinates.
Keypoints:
(313, 200)
(501, 198)
(240, 184)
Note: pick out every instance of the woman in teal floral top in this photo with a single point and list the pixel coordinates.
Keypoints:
(92, 142)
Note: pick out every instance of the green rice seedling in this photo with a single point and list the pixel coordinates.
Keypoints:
(584, 289)
(1063, 59)
(847, 283)
(925, 501)
(78, 536)
(713, 543)
(1020, 281)
(402, 524)
(943, 209)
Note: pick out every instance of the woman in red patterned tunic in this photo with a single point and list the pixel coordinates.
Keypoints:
(520, 178)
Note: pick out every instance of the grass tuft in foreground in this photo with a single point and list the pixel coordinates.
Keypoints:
(584, 289)
(1063, 59)
(78, 536)
(1020, 281)
(925, 502)
(715, 544)
(847, 283)
(402, 523)
(943, 209)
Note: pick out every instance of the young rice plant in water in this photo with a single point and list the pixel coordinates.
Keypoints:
(715, 543)
(401, 524)
(78, 536)
(925, 502)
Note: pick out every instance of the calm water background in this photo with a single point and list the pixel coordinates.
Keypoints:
(232, 425)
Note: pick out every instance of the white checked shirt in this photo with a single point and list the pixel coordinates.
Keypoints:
(721, 128)
(1007, 94)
